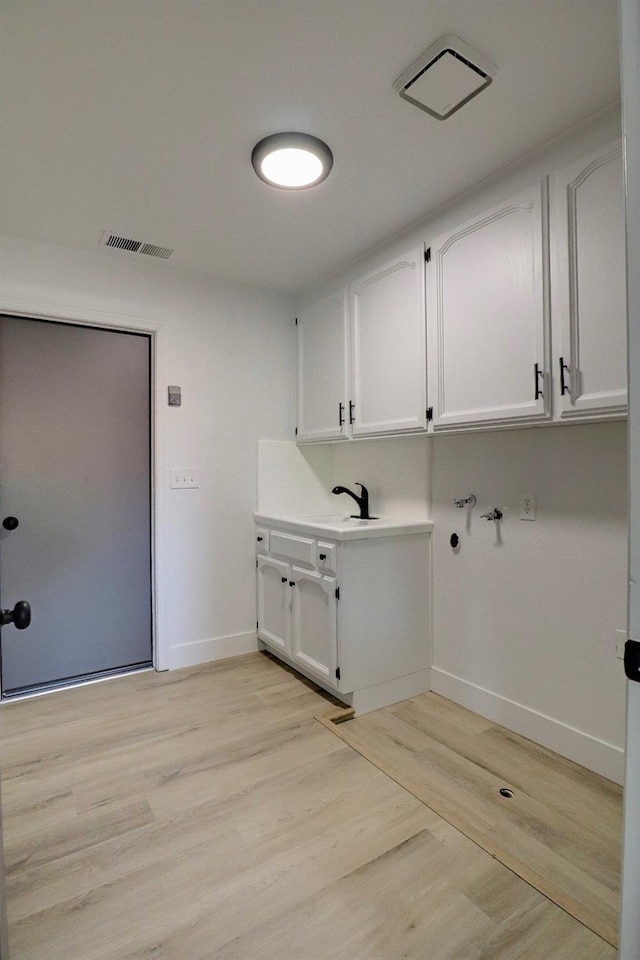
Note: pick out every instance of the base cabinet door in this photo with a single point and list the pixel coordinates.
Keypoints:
(274, 602)
(487, 316)
(314, 623)
(590, 339)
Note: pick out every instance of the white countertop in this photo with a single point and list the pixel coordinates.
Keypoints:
(344, 527)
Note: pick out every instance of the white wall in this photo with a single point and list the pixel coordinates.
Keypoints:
(231, 350)
(576, 143)
(525, 614)
(395, 471)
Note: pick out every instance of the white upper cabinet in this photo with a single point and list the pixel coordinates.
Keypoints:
(487, 316)
(321, 393)
(506, 342)
(388, 348)
(590, 348)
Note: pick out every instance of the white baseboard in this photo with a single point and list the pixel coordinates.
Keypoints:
(217, 648)
(597, 755)
(391, 691)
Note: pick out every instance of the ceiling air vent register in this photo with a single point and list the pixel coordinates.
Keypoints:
(445, 77)
(134, 246)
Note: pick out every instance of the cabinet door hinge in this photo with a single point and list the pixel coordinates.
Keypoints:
(296, 321)
(337, 593)
(257, 624)
(257, 564)
(337, 673)
(429, 413)
(296, 431)
(427, 255)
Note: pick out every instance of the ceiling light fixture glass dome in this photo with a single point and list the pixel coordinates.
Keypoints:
(292, 161)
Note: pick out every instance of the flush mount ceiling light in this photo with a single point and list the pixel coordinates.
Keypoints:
(292, 161)
(445, 77)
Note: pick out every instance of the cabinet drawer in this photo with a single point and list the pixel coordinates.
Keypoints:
(262, 539)
(298, 549)
(326, 557)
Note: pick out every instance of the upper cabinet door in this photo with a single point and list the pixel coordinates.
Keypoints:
(388, 336)
(589, 293)
(322, 411)
(487, 316)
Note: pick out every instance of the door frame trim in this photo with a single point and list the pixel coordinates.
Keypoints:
(37, 310)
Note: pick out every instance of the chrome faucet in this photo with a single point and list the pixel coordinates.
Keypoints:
(469, 501)
(362, 500)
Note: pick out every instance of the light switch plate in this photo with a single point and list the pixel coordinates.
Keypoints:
(185, 478)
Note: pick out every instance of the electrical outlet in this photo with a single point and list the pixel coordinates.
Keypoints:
(528, 507)
(184, 479)
(621, 639)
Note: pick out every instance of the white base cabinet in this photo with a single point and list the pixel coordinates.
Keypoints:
(351, 615)
(297, 616)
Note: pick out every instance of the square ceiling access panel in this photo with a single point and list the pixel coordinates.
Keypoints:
(445, 77)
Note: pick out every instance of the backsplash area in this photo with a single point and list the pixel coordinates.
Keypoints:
(297, 480)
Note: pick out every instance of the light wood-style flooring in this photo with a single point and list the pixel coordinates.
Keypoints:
(204, 814)
(560, 830)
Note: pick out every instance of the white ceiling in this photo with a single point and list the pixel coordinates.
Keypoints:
(139, 117)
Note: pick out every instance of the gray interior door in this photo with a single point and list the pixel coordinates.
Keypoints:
(75, 474)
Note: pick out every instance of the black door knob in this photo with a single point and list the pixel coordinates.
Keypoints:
(10, 523)
(20, 616)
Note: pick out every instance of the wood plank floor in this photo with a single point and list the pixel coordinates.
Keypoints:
(561, 830)
(203, 814)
